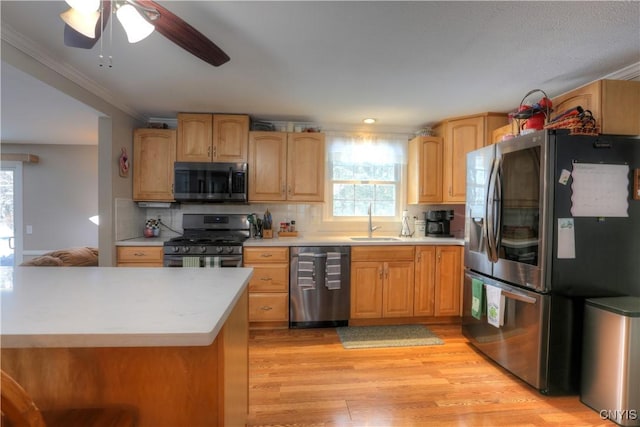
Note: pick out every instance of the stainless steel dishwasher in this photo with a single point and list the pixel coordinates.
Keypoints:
(319, 286)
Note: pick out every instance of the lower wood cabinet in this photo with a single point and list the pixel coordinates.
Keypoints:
(438, 280)
(139, 256)
(382, 282)
(269, 286)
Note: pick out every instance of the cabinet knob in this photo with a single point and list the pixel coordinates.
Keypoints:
(266, 255)
(266, 308)
(265, 279)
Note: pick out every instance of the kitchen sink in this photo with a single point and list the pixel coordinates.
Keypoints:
(375, 239)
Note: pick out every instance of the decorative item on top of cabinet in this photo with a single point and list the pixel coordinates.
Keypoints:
(154, 152)
(615, 104)
(382, 282)
(462, 135)
(424, 170)
(269, 286)
(438, 280)
(212, 137)
(286, 167)
(139, 256)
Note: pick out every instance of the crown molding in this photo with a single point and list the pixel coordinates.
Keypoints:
(30, 48)
(631, 72)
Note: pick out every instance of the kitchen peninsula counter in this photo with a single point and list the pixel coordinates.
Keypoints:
(170, 342)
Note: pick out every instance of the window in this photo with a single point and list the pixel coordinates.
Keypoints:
(363, 171)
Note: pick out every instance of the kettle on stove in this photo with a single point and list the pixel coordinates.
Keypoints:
(438, 223)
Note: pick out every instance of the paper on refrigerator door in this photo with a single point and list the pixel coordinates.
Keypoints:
(566, 238)
(600, 190)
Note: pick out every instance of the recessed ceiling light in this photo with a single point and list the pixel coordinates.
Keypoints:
(369, 121)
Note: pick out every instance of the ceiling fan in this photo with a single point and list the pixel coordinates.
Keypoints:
(87, 20)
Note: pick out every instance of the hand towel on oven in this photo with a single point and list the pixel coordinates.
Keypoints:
(212, 262)
(495, 306)
(477, 298)
(190, 261)
(333, 275)
(306, 276)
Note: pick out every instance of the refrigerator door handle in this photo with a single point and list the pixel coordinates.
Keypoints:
(491, 212)
(519, 297)
(498, 208)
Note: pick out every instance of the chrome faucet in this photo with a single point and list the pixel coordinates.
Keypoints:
(371, 228)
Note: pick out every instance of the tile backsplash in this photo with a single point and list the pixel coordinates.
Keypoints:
(308, 217)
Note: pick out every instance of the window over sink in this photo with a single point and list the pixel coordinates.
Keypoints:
(363, 170)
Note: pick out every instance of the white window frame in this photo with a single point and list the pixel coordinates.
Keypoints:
(18, 231)
(401, 190)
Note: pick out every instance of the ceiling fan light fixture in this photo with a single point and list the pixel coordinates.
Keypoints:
(84, 23)
(134, 24)
(84, 6)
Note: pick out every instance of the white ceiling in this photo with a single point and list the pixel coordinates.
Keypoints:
(408, 64)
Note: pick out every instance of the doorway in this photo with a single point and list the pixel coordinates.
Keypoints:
(10, 213)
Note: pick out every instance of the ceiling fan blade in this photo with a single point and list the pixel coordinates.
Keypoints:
(184, 35)
(73, 38)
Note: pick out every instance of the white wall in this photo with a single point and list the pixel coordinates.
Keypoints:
(59, 195)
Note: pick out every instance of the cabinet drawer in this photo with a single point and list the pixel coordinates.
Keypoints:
(382, 253)
(268, 307)
(140, 254)
(262, 255)
(269, 278)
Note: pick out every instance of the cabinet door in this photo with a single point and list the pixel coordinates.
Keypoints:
(425, 280)
(154, 152)
(366, 289)
(230, 138)
(424, 170)
(448, 280)
(398, 289)
(194, 137)
(267, 166)
(462, 136)
(305, 167)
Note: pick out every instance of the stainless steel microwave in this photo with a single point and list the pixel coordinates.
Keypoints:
(210, 182)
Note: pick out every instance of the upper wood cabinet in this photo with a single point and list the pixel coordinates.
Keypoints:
(212, 137)
(154, 152)
(615, 104)
(424, 170)
(286, 167)
(460, 136)
(305, 167)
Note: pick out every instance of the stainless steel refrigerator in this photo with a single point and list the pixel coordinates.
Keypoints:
(550, 220)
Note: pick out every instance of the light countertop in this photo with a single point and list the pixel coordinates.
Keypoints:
(345, 240)
(118, 307)
(314, 239)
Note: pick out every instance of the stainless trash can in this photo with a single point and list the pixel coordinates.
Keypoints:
(610, 381)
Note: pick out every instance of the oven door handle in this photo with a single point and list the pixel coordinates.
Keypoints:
(230, 178)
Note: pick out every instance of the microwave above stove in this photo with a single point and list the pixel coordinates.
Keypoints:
(210, 182)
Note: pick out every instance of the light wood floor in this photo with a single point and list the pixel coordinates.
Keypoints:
(305, 378)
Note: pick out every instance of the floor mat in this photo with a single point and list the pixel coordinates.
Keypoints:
(386, 336)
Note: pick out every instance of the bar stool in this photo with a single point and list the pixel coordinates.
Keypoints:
(19, 410)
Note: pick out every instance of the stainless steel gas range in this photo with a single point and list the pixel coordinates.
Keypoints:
(209, 240)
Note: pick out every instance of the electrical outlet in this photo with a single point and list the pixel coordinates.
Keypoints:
(29, 229)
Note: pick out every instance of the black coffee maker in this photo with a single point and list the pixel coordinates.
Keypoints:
(438, 223)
